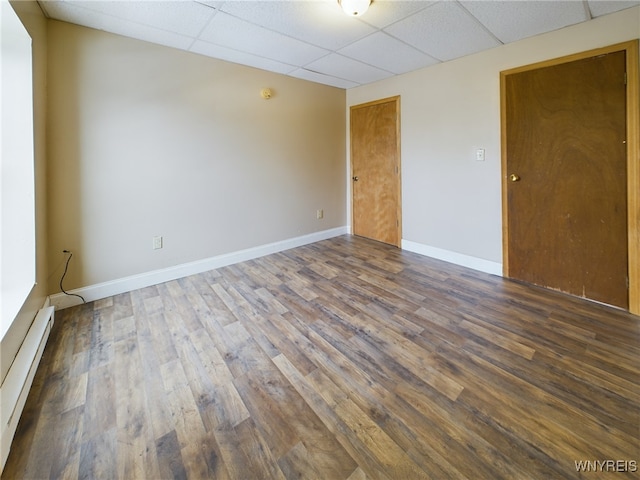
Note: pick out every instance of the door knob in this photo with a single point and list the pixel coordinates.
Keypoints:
(355, 179)
(514, 178)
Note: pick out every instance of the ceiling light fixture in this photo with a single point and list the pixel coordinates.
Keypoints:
(354, 8)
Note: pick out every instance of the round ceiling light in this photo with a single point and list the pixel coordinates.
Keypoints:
(354, 8)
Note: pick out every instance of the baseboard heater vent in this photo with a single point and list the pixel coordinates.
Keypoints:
(15, 388)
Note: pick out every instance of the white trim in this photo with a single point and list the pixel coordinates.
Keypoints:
(134, 282)
(17, 383)
(468, 261)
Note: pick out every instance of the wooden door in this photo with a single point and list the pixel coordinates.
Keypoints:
(566, 177)
(375, 170)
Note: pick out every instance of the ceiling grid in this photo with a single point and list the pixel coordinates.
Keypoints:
(314, 40)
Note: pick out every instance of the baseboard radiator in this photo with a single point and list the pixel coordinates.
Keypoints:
(15, 388)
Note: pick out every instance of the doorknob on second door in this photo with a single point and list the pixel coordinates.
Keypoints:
(355, 179)
(514, 178)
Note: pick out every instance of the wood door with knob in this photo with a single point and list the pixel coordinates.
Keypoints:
(564, 131)
(375, 167)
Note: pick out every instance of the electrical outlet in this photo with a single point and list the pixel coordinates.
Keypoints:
(319, 214)
(157, 243)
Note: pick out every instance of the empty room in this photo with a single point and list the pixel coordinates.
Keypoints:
(320, 239)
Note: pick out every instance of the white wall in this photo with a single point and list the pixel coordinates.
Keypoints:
(17, 199)
(35, 23)
(452, 203)
(18, 361)
(146, 140)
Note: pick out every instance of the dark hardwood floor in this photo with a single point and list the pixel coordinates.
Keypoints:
(344, 359)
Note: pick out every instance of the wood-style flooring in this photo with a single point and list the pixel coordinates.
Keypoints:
(344, 359)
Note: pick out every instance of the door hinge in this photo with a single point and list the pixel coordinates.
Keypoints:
(627, 281)
(625, 78)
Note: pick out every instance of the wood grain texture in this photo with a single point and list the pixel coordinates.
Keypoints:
(375, 166)
(633, 173)
(566, 140)
(632, 157)
(344, 359)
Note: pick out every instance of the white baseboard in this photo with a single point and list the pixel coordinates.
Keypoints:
(468, 261)
(17, 383)
(134, 282)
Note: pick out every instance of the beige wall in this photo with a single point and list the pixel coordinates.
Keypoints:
(35, 23)
(145, 140)
(451, 201)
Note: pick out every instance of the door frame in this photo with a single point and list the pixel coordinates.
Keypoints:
(633, 158)
(395, 99)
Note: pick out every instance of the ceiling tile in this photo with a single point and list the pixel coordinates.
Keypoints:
(314, 40)
(321, 78)
(511, 21)
(604, 7)
(211, 3)
(72, 13)
(348, 69)
(319, 23)
(388, 53)
(443, 30)
(228, 31)
(383, 13)
(185, 18)
(234, 56)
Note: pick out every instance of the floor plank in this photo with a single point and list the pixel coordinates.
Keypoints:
(343, 359)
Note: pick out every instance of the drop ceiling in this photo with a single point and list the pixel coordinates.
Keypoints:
(314, 40)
